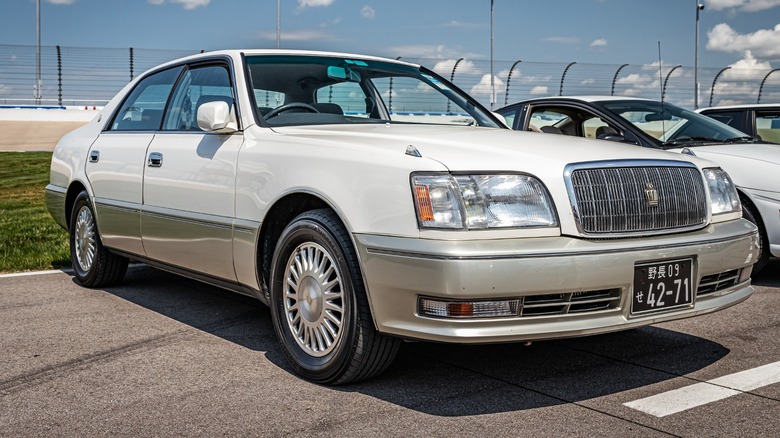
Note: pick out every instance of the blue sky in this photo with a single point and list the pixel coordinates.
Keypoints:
(587, 31)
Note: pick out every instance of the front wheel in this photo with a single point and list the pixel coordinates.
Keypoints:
(93, 265)
(319, 307)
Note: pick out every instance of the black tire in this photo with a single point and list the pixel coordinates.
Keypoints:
(316, 283)
(93, 265)
(750, 213)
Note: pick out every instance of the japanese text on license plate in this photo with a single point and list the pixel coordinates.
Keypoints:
(662, 285)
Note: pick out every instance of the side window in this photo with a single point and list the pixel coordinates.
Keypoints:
(197, 86)
(591, 127)
(509, 118)
(768, 126)
(143, 109)
(731, 118)
(547, 120)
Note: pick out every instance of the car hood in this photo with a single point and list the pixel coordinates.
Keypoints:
(463, 148)
(751, 166)
(765, 152)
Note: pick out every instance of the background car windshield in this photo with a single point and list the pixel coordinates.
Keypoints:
(301, 90)
(672, 126)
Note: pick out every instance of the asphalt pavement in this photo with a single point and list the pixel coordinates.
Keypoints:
(161, 355)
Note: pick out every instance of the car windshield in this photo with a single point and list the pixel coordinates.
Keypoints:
(305, 90)
(671, 126)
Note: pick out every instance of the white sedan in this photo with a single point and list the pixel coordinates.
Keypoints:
(754, 165)
(368, 201)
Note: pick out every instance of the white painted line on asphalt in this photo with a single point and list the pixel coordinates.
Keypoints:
(699, 394)
(31, 273)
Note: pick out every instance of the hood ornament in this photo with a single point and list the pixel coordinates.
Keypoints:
(651, 195)
(412, 151)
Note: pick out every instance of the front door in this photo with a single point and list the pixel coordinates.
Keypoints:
(189, 182)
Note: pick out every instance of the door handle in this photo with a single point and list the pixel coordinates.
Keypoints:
(155, 159)
(94, 156)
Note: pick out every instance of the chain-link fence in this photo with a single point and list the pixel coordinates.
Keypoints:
(91, 76)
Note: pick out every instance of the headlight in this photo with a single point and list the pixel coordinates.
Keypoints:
(476, 202)
(723, 194)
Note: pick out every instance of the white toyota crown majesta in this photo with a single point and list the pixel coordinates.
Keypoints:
(368, 201)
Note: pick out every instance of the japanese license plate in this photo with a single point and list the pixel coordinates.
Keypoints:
(661, 286)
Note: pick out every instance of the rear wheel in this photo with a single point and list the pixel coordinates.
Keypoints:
(750, 213)
(319, 306)
(93, 265)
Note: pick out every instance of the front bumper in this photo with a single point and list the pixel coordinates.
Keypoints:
(398, 271)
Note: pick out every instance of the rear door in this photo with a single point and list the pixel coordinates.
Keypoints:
(116, 161)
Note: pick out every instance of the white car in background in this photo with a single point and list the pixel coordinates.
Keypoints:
(752, 164)
(368, 201)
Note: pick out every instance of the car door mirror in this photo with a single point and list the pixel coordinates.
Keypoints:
(217, 116)
(613, 137)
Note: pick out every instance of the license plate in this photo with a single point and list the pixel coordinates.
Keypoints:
(660, 286)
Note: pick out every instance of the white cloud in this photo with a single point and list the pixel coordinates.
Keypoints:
(743, 5)
(747, 69)
(561, 40)
(368, 12)
(62, 2)
(429, 51)
(465, 67)
(601, 42)
(540, 90)
(483, 88)
(763, 42)
(301, 35)
(314, 3)
(187, 4)
(332, 22)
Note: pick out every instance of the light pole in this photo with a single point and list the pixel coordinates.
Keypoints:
(37, 87)
(699, 7)
(278, 22)
(492, 80)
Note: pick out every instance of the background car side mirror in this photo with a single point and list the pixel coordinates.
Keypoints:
(217, 116)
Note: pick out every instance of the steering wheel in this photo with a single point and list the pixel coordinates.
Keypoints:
(294, 105)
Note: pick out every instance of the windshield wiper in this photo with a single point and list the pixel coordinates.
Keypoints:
(742, 139)
(682, 140)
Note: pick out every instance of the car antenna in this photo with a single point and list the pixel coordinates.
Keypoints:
(661, 86)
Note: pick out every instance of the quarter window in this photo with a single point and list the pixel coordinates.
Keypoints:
(143, 109)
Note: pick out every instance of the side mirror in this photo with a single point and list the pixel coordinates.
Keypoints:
(613, 137)
(217, 116)
(501, 119)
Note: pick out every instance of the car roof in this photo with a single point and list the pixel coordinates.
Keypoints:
(236, 53)
(585, 98)
(757, 106)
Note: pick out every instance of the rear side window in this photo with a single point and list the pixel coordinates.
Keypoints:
(731, 118)
(143, 108)
(768, 126)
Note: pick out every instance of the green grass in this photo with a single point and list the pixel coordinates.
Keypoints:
(29, 238)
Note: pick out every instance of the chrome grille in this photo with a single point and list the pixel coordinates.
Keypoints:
(715, 282)
(571, 302)
(618, 200)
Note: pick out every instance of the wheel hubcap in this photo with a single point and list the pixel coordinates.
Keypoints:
(313, 299)
(84, 239)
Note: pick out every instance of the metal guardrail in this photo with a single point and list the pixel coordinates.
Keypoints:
(92, 76)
